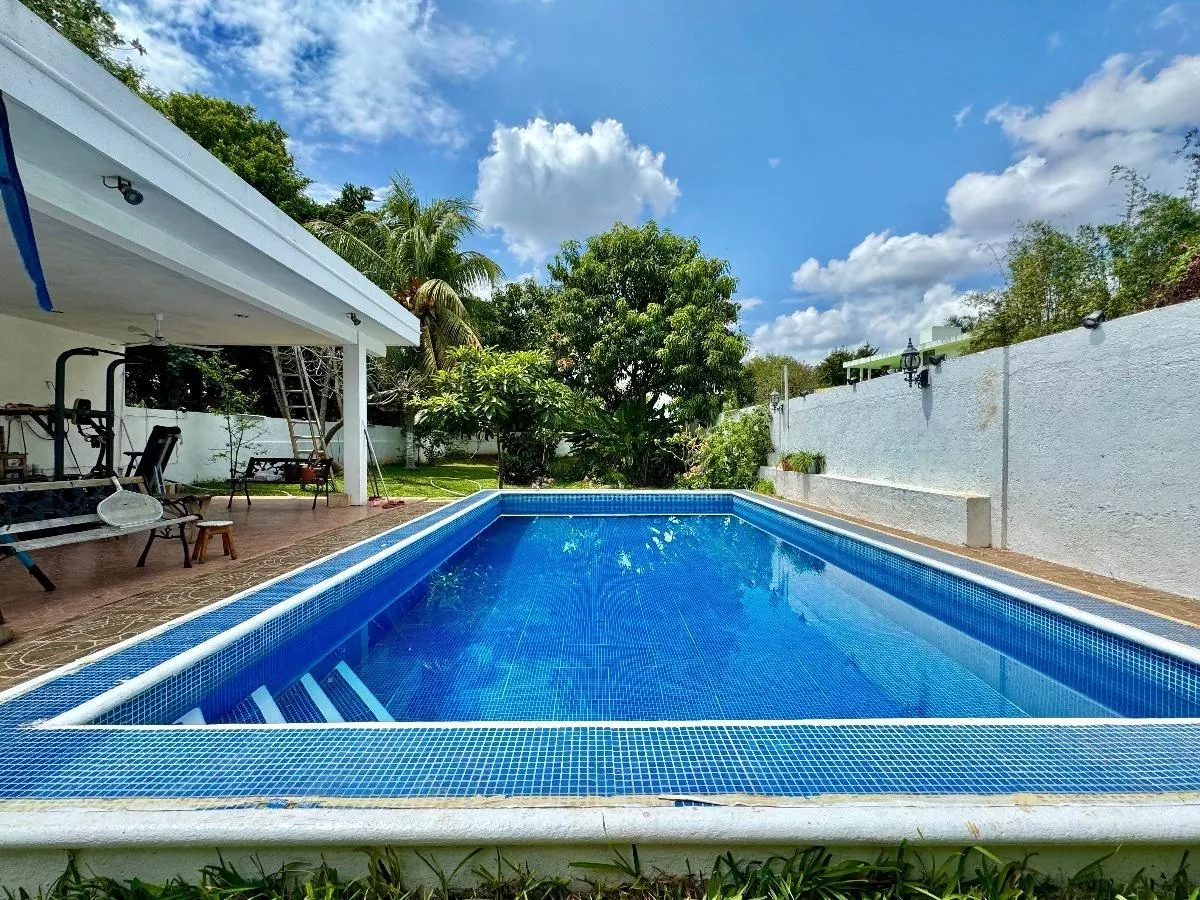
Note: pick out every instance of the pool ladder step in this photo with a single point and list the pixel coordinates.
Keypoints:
(340, 697)
(353, 698)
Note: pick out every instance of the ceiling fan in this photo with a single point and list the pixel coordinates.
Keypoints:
(158, 339)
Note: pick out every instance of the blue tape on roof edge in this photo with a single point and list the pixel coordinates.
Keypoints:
(17, 208)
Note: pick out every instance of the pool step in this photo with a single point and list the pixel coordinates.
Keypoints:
(267, 706)
(353, 699)
(192, 717)
(340, 697)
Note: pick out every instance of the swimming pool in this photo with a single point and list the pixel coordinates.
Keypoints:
(614, 644)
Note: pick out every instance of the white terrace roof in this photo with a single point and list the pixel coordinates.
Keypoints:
(220, 261)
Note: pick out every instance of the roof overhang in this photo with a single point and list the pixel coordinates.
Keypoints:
(220, 261)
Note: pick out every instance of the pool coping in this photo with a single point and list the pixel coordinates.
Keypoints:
(936, 816)
(947, 821)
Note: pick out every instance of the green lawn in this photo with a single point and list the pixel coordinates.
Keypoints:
(452, 478)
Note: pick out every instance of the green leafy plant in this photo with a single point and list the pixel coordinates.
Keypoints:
(235, 405)
(730, 454)
(764, 486)
(813, 873)
(808, 462)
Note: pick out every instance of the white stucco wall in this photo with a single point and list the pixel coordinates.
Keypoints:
(204, 435)
(1085, 441)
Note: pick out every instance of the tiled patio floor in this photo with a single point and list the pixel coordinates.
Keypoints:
(102, 598)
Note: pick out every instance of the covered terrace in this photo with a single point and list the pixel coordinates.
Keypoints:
(195, 245)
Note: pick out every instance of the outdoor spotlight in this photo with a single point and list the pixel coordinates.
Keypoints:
(910, 361)
(776, 402)
(119, 183)
(936, 359)
(852, 378)
(354, 319)
(1093, 319)
(803, 394)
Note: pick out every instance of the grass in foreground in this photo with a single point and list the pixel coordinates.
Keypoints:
(813, 874)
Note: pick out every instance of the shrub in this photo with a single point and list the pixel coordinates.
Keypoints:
(763, 486)
(806, 461)
(729, 455)
(568, 468)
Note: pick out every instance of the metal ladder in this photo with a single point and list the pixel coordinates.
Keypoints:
(297, 400)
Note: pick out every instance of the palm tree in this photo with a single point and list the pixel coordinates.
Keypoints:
(412, 250)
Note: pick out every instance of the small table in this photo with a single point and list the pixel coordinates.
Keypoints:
(205, 530)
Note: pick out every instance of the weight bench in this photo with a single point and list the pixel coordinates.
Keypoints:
(36, 516)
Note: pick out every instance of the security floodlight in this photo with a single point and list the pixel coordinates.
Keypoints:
(1093, 319)
(119, 183)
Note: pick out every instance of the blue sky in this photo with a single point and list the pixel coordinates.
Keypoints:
(859, 163)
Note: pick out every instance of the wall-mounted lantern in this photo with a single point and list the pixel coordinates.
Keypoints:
(776, 402)
(910, 365)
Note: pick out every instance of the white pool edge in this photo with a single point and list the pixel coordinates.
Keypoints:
(950, 821)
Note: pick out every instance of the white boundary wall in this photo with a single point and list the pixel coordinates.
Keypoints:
(203, 435)
(1086, 442)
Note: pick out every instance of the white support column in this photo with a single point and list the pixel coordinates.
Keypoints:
(354, 406)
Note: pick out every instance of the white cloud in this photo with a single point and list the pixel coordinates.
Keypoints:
(749, 302)
(361, 68)
(1063, 159)
(1053, 41)
(544, 183)
(774, 162)
(886, 261)
(1171, 16)
(961, 115)
(168, 64)
(886, 320)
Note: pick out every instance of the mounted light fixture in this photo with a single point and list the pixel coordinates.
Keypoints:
(935, 359)
(119, 183)
(852, 377)
(910, 365)
(776, 402)
(1093, 319)
(354, 319)
(803, 394)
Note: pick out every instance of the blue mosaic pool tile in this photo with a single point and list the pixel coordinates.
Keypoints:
(681, 762)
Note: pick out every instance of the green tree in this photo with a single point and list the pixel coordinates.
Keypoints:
(643, 323)
(87, 25)
(516, 317)
(354, 198)
(831, 371)
(254, 148)
(509, 396)
(1053, 280)
(764, 374)
(413, 250)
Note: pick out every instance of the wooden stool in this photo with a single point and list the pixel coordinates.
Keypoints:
(205, 530)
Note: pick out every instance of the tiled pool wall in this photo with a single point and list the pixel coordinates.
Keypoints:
(284, 647)
(1133, 679)
(1130, 678)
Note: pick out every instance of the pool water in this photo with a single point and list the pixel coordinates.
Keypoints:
(700, 617)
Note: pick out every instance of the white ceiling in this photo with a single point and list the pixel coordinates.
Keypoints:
(102, 289)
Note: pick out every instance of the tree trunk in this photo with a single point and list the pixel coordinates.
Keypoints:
(499, 461)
